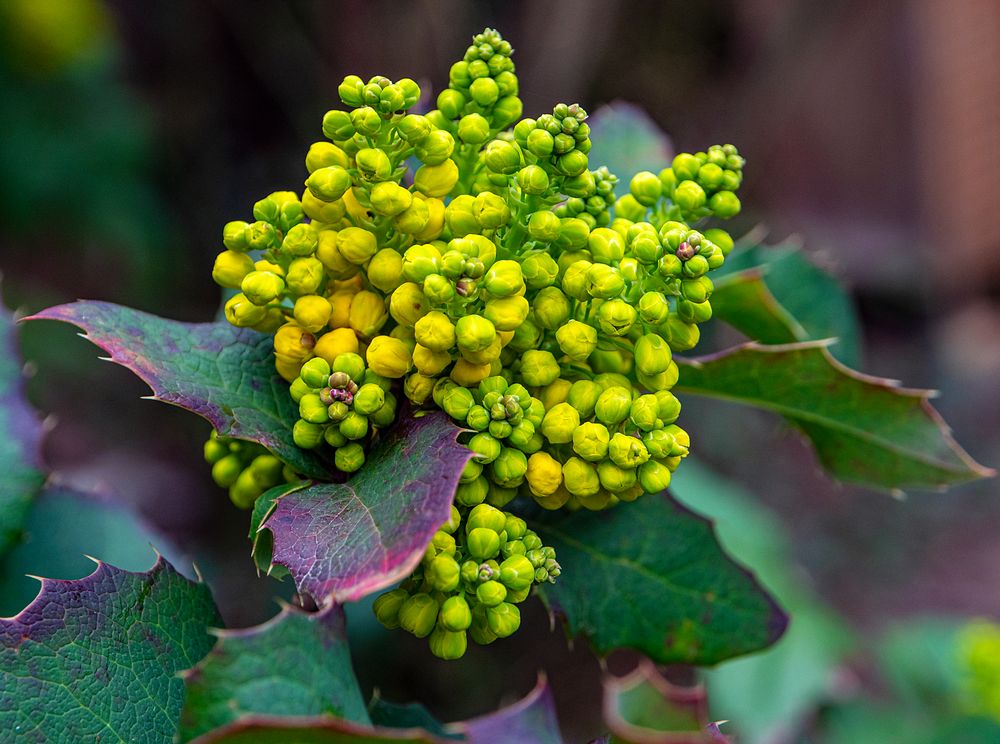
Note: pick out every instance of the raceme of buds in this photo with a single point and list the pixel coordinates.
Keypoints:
(473, 261)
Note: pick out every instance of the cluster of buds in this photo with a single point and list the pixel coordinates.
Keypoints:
(501, 281)
(476, 570)
(245, 468)
(342, 403)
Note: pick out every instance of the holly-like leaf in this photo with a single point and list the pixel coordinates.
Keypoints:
(342, 541)
(407, 716)
(777, 295)
(627, 141)
(281, 730)
(650, 576)
(96, 659)
(533, 718)
(866, 430)
(222, 373)
(296, 664)
(63, 528)
(20, 439)
(645, 708)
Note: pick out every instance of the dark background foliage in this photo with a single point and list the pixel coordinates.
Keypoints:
(132, 131)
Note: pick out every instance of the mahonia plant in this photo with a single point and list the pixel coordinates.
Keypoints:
(469, 260)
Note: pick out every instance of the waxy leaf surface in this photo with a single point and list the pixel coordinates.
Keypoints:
(97, 659)
(777, 295)
(222, 373)
(342, 541)
(296, 664)
(865, 430)
(651, 576)
(20, 439)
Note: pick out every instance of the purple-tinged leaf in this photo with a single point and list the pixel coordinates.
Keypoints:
(282, 730)
(97, 659)
(222, 373)
(865, 430)
(342, 541)
(296, 664)
(645, 708)
(532, 719)
(20, 440)
(650, 576)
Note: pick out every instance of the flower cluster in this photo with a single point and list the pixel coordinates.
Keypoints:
(245, 468)
(470, 260)
(474, 574)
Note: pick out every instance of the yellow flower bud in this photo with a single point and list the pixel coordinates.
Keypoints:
(408, 304)
(435, 331)
(555, 393)
(414, 218)
(336, 342)
(230, 268)
(323, 154)
(243, 313)
(577, 340)
(294, 341)
(488, 355)
(320, 211)
(367, 314)
(418, 387)
(385, 270)
(544, 474)
(389, 199)
(559, 423)
(357, 212)
(581, 477)
(435, 220)
(474, 333)
(467, 374)
(430, 362)
(389, 357)
(507, 313)
(356, 244)
(330, 256)
(555, 501)
(305, 276)
(340, 302)
(436, 180)
(312, 312)
(288, 367)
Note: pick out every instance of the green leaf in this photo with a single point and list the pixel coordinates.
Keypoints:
(20, 440)
(407, 716)
(650, 576)
(281, 730)
(644, 708)
(865, 430)
(777, 295)
(343, 541)
(222, 373)
(627, 141)
(296, 664)
(96, 659)
(801, 667)
(63, 528)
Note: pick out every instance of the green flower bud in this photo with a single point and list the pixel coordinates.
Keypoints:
(544, 226)
(502, 157)
(572, 163)
(506, 111)
(508, 313)
(683, 335)
(491, 593)
(613, 405)
(645, 412)
(413, 128)
(470, 494)
(350, 364)
(575, 281)
(483, 543)
(654, 308)
(231, 268)
(368, 399)
(386, 607)
(614, 478)
(315, 372)
(652, 354)
(646, 248)
(685, 166)
(539, 270)
(337, 125)
(654, 477)
(234, 236)
(474, 333)
(689, 196)
(435, 331)
(354, 426)
(517, 573)
(312, 409)
(694, 312)
(227, 470)
(606, 246)
(590, 441)
(504, 279)
(504, 619)
(580, 477)
(418, 615)
(385, 270)
(390, 199)
(436, 148)
(486, 516)
(307, 435)
(373, 164)
(478, 418)
(538, 368)
(329, 184)
(350, 457)
(486, 447)
(659, 443)
(697, 290)
(470, 472)
(646, 188)
(420, 261)
(559, 423)
(385, 415)
(438, 290)
(509, 468)
(616, 317)
(627, 452)
(577, 340)
(573, 234)
(455, 614)
(351, 91)
(323, 154)
(457, 402)
(533, 181)
(583, 397)
(604, 282)
(721, 238)
(443, 573)
(446, 644)
(473, 129)
(724, 204)
(491, 210)
(580, 186)
(262, 287)
(356, 244)
(305, 276)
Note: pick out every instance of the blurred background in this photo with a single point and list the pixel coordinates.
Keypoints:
(131, 132)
